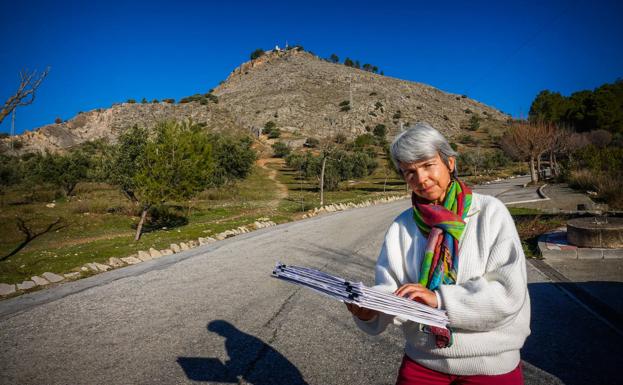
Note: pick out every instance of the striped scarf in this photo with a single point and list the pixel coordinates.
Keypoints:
(444, 226)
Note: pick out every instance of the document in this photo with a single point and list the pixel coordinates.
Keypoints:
(357, 293)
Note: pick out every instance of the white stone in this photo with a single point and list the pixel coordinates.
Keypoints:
(154, 253)
(175, 247)
(101, 266)
(84, 268)
(184, 246)
(144, 256)
(72, 275)
(6, 289)
(52, 277)
(166, 252)
(39, 281)
(50, 205)
(257, 225)
(91, 266)
(192, 244)
(131, 260)
(220, 236)
(115, 262)
(26, 285)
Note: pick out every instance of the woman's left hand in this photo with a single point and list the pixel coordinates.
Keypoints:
(419, 293)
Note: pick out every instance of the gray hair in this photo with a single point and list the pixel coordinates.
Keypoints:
(418, 143)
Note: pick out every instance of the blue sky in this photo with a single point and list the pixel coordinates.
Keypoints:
(500, 53)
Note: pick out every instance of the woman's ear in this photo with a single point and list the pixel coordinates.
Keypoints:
(451, 164)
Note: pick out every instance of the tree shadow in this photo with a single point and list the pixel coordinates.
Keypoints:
(568, 341)
(250, 359)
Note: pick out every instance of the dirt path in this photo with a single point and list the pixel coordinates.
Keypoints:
(282, 190)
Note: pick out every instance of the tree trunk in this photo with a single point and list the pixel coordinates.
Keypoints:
(538, 167)
(533, 176)
(324, 162)
(552, 164)
(140, 223)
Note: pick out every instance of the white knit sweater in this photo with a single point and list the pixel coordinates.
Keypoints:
(488, 307)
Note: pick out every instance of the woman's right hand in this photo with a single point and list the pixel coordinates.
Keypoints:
(361, 312)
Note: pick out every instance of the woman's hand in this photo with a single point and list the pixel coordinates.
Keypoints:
(361, 312)
(419, 293)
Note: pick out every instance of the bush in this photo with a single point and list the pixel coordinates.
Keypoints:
(340, 138)
(345, 108)
(274, 133)
(364, 140)
(344, 103)
(380, 131)
(311, 142)
(58, 120)
(474, 123)
(131, 101)
(281, 150)
(257, 54)
(169, 100)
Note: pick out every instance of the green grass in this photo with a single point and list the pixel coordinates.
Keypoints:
(99, 222)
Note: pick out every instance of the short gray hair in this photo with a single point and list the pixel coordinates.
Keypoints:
(418, 143)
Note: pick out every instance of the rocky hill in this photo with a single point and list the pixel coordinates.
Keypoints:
(300, 92)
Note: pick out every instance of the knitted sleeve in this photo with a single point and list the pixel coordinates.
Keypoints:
(493, 299)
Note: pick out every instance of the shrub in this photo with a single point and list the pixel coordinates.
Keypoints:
(58, 120)
(474, 123)
(397, 115)
(274, 133)
(340, 138)
(364, 140)
(345, 108)
(155, 101)
(169, 100)
(311, 142)
(281, 150)
(380, 131)
(131, 101)
(344, 103)
(143, 101)
(257, 54)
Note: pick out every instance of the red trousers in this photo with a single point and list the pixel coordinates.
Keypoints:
(412, 373)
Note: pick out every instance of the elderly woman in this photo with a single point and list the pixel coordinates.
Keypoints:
(459, 251)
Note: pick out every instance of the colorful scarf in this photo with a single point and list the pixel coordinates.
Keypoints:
(444, 226)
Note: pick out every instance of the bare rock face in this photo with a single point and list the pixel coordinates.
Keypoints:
(298, 91)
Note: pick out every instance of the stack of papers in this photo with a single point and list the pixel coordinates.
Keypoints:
(357, 293)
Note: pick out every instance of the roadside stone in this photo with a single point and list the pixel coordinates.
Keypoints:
(613, 253)
(131, 260)
(166, 252)
(256, 224)
(203, 241)
(175, 247)
(115, 262)
(84, 268)
(72, 275)
(6, 289)
(220, 236)
(39, 281)
(52, 277)
(184, 246)
(91, 266)
(584, 253)
(154, 253)
(192, 244)
(101, 266)
(144, 256)
(26, 285)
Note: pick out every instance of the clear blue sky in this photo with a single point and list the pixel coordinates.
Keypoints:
(500, 53)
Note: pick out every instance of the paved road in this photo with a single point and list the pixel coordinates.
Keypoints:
(214, 315)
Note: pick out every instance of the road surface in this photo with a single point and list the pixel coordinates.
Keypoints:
(214, 315)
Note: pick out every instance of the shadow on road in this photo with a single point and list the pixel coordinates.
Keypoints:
(250, 359)
(568, 341)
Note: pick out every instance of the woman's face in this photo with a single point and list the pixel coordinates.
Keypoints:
(429, 179)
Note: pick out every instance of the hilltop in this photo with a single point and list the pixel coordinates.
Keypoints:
(300, 92)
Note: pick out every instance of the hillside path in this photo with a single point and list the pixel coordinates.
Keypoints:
(282, 190)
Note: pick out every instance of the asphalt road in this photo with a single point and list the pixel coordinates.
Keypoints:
(214, 315)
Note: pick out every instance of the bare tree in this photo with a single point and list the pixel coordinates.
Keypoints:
(528, 142)
(25, 94)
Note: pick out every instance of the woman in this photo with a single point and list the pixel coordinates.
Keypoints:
(458, 251)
